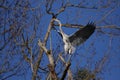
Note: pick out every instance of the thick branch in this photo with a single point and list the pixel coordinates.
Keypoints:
(67, 69)
(70, 77)
(50, 57)
(41, 51)
(98, 28)
(52, 74)
(71, 25)
(51, 66)
(81, 26)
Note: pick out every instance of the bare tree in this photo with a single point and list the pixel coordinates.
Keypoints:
(29, 46)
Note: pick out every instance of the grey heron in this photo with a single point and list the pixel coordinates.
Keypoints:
(75, 39)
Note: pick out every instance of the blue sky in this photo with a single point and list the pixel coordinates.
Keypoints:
(101, 41)
(91, 52)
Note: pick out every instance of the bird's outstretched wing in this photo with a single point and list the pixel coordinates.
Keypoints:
(82, 35)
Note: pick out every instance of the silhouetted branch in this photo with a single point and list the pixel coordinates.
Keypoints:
(4, 7)
(9, 76)
(66, 70)
(49, 6)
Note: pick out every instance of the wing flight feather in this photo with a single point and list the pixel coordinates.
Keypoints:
(82, 35)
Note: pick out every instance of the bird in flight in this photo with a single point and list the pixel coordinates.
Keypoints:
(75, 39)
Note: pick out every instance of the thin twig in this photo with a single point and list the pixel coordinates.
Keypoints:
(108, 13)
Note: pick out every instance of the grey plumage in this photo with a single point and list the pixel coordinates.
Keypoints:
(82, 34)
(74, 40)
